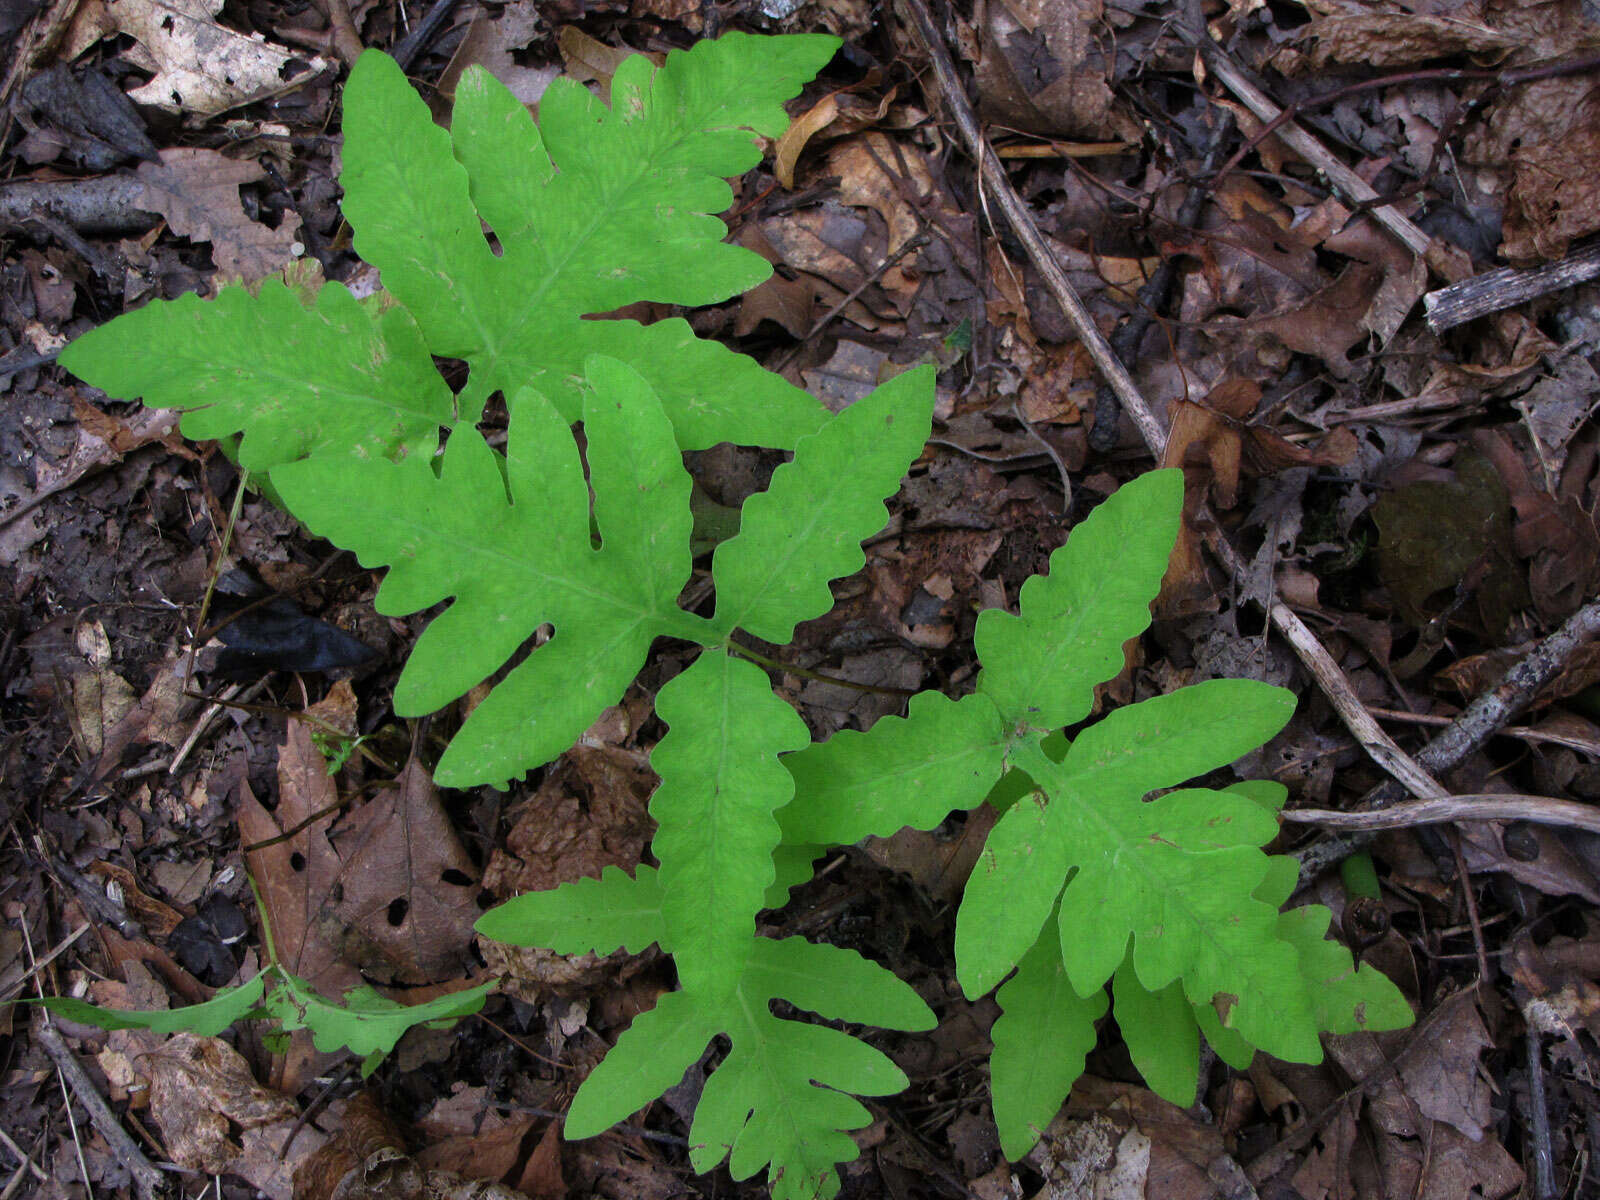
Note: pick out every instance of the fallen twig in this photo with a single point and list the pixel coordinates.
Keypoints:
(1368, 734)
(1540, 1155)
(108, 204)
(1479, 721)
(1355, 190)
(1475, 806)
(1492, 291)
(147, 1179)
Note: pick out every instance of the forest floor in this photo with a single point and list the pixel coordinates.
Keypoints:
(1422, 493)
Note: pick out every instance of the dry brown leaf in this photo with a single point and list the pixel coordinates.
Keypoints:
(1381, 36)
(1042, 71)
(542, 1178)
(297, 874)
(879, 173)
(1558, 536)
(589, 60)
(198, 1087)
(1329, 323)
(155, 916)
(466, 1137)
(1555, 195)
(200, 67)
(490, 43)
(366, 1160)
(589, 813)
(197, 191)
(938, 865)
(407, 891)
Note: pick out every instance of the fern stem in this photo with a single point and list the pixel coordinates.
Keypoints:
(772, 664)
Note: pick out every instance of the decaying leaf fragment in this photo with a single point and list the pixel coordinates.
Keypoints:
(201, 68)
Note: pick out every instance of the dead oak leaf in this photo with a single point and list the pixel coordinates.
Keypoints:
(1042, 69)
(199, 67)
(294, 864)
(197, 191)
(406, 896)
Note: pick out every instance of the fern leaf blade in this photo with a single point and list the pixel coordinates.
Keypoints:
(330, 378)
(835, 983)
(207, 1019)
(808, 526)
(587, 916)
(1043, 1034)
(1009, 896)
(1163, 1039)
(943, 756)
(408, 201)
(641, 491)
(513, 561)
(650, 1057)
(1345, 998)
(720, 783)
(1041, 666)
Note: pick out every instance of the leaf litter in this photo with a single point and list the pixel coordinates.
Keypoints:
(1291, 342)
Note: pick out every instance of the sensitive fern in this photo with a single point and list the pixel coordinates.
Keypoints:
(1082, 878)
(560, 560)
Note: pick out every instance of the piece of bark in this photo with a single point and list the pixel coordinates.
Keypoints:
(1492, 291)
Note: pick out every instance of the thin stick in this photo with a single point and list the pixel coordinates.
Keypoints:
(1478, 722)
(1191, 28)
(1543, 1159)
(147, 1179)
(28, 1165)
(1470, 806)
(33, 971)
(1368, 733)
(994, 175)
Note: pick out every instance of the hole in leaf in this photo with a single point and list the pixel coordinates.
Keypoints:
(297, 861)
(398, 908)
(455, 878)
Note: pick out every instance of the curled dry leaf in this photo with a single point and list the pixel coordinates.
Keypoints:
(201, 68)
(199, 1086)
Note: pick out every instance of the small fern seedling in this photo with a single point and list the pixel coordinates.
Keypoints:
(1083, 880)
(366, 1023)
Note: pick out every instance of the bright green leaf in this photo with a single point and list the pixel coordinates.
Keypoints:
(624, 215)
(207, 1019)
(808, 526)
(514, 561)
(1041, 666)
(366, 1023)
(1043, 1034)
(1160, 1032)
(779, 1098)
(1009, 895)
(913, 770)
(333, 378)
(720, 784)
(1345, 998)
(648, 1059)
(586, 916)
